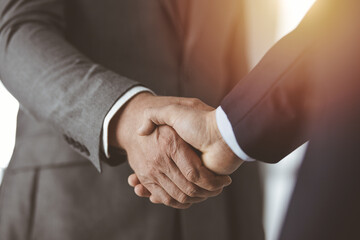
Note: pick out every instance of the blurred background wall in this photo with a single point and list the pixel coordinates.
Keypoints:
(268, 21)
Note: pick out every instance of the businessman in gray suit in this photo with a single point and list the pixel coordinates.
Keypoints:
(84, 71)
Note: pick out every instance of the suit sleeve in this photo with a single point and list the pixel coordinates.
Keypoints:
(51, 79)
(270, 108)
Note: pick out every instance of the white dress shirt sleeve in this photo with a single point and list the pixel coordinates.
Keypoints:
(115, 108)
(228, 135)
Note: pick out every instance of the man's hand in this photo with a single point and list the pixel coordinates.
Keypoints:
(195, 122)
(167, 168)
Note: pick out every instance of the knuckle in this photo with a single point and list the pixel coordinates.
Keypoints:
(192, 175)
(212, 187)
(173, 149)
(149, 186)
(166, 170)
(150, 170)
(166, 130)
(191, 191)
(166, 137)
(155, 200)
(168, 201)
(142, 175)
(208, 185)
(156, 161)
(149, 173)
(183, 198)
(211, 184)
(169, 136)
(195, 102)
(169, 140)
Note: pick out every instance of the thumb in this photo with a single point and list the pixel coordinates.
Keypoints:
(146, 128)
(156, 116)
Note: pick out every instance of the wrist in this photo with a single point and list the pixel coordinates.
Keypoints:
(225, 162)
(125, 122)
(215, 135)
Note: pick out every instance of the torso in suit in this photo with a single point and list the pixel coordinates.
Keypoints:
(307, 87)
(67, 62)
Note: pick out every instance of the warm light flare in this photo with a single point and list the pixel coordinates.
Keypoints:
(290, 14)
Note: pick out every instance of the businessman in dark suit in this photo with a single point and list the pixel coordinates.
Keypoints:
(306, 87)
(79, 70)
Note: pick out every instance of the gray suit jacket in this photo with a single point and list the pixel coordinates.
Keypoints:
(67, 62)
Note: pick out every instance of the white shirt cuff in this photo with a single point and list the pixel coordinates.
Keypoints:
(115, 108)
(228, 135)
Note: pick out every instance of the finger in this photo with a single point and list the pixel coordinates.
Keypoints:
(187, 187)
(141, 191)
(159, 116)
(147, 127)
(159, 196)
(209, 180)
(175, 192)
(171, 143)
(133, 180)
(192, 168)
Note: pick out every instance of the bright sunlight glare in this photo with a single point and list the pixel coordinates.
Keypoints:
(290, 14)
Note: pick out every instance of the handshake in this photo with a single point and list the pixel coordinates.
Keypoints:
(175, 149)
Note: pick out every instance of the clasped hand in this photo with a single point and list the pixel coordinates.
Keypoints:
(175, 149)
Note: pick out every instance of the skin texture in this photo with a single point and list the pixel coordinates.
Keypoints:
(195, 122)
(167, 169)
